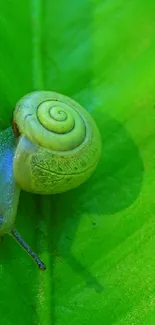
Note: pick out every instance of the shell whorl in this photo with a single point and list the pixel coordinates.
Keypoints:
(60, 144)
(51, 120)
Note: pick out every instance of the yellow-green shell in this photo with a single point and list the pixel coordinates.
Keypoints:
(59, 146)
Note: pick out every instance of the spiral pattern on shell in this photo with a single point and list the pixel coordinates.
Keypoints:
(60, 144)
(51, 120)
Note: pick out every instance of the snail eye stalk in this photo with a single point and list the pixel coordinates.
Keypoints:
(27, 248)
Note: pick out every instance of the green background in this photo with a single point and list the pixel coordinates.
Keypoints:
(97, 240)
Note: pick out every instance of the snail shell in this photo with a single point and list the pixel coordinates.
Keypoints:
(59, 144)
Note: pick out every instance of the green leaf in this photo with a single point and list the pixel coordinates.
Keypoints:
(97, 240)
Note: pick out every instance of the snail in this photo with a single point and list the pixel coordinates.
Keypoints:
(52, 147)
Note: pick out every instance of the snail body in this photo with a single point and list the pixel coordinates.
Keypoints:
(9, 189)
(56, 148)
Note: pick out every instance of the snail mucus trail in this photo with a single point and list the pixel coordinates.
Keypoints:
(57, 148)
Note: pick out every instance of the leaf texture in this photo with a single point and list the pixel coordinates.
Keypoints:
(97, 240)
